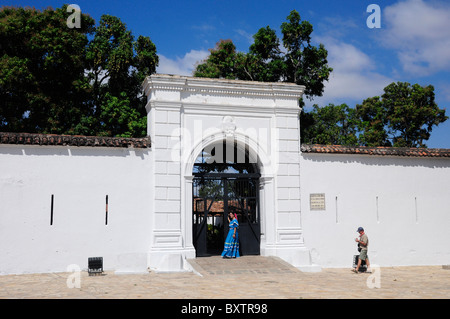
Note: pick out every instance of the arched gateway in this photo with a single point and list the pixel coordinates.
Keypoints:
(221, 146)
(225, 181)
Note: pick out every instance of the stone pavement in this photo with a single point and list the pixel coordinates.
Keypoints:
(248, 277)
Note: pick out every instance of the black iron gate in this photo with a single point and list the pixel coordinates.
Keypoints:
(214, 196)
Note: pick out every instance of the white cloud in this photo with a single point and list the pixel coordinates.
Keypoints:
(420, 32)
(354, 76)
(246, 35)
(181, 66)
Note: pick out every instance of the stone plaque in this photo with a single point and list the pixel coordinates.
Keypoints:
(317, 201)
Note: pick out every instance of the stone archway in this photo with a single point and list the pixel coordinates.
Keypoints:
(225, 181)
(188, 114)
(253, 173)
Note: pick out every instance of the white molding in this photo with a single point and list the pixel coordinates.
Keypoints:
(222, 87)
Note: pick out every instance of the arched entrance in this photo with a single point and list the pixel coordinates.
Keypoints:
(225, 180)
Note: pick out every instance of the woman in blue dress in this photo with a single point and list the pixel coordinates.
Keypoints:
(231, 249)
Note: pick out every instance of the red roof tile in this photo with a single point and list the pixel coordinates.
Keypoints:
(391, 151)
(73, 140)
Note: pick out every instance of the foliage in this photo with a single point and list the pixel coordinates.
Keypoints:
(117, 65)
(373, 122)
(402, 117)
(42, 85)
(331, 125)
(298, 61)
(56, 79)
(221, 62)
(215, 236)
(306, 64)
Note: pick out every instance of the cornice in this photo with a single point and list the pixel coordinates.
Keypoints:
(196, 85)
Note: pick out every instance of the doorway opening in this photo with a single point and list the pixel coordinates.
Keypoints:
(225, 180)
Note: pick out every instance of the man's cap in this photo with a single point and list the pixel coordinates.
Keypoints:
(360, 229)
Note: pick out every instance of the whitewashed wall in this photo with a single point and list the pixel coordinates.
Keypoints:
(79, 178)
(403, 203)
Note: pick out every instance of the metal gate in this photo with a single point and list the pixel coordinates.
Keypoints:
(214, 196)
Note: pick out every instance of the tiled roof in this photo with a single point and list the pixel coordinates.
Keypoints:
(72, 140)
(217, 206)
(363, 150)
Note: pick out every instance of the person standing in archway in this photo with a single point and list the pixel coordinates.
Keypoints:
(231, 248)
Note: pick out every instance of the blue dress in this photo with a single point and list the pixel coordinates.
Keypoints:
(231, 249)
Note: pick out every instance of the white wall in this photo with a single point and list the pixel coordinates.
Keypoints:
(79, 178)
(402, 202)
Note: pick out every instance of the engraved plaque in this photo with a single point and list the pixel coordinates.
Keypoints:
(317, 201)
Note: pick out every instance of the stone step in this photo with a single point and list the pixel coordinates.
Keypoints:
(216, 265)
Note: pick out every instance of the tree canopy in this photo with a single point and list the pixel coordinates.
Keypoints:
(56, 79)
(87, 80)
(329, 125)
(403, 116)
(293, 59)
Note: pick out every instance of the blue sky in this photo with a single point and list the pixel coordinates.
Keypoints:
(412, 45)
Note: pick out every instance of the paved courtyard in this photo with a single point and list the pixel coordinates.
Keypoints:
(248, 277)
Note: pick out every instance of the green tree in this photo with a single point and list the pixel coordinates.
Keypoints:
(265, 62)
(221, 62)
(404, 116)
(372, 123)
(56, 79)
(117, 65)
(330, 125)
(299, 62)
(42, 83)
(305, 64)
